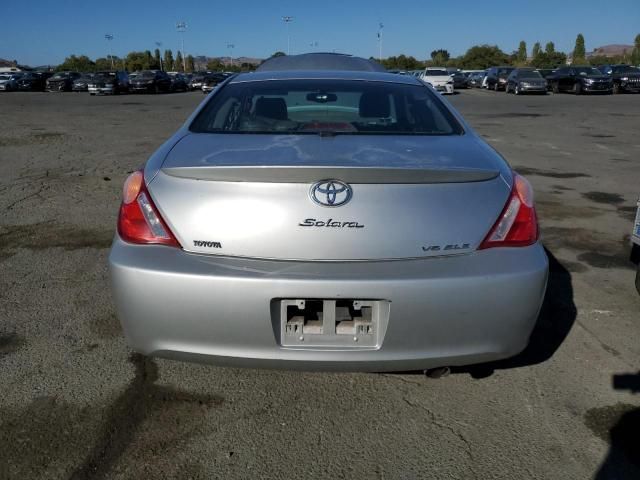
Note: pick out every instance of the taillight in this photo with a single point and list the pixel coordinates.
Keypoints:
(517, 225)
(139, 220)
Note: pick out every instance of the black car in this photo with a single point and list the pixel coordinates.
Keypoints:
(61, 81)
(109, 83)
(497, 77)
(460, 80)
(625, 77)
(33, 81)
(81, 84)
(579, 79)
(149, 81)
(526, 80)
(178, 82)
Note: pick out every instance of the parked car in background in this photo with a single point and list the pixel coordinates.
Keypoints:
(460, 80)
(625, 78)
(526, 80)
(62, 81)
(109, 83)
(212, 80)
(178, 82)
(81, 84)
(497, 78)
(438, 78)
(149, 81)
(33, 81)
(476, 78)
(580, 79)
(9, 81)
(196, 81)
(410, 243)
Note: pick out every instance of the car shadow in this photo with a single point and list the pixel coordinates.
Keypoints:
(623, 433)
(556, 318)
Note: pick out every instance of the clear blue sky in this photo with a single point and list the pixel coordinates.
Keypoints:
(39, 32)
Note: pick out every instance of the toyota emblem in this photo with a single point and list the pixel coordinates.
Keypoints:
(330, 193)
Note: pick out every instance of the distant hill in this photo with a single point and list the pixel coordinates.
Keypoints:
(611, 50)
(202, 60)
(8, 63)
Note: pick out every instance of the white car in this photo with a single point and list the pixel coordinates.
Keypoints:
(439, 79)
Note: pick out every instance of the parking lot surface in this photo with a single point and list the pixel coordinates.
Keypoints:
(77, 404)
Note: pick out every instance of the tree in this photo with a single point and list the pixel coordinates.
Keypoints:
(278, 54)
(149, 60)
(536, 50)
(191, 63)
(401, 62)
(215, 65)
(178, 65)
(75, 63)
(546, 60)
(521, 57)
(549, 48)
(483, 56)
(156, 58)
(168, 60)
(440, 56)
(635, 54)
(579, 52)
(135, 61)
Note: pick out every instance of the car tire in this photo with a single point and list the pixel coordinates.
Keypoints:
(616, 89)
(516, 90)
(156, 89)
(496, 86)
(555, 87)
(577, 88)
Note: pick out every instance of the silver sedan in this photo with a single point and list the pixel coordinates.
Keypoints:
(335, 219)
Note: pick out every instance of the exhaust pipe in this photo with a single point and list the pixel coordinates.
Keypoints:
(437, 372)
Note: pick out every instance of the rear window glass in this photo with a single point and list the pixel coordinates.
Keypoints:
(326, 106)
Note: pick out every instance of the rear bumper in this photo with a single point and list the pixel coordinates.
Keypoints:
(444, 311)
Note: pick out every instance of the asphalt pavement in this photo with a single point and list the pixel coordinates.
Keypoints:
(76, 403)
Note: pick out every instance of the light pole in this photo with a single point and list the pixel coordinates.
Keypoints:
(231, 46)
(109, 37)
(159, 44)
(181, 27)
(287, 20)
(381, 26)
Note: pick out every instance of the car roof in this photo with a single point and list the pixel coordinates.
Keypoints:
(325, 75)
(319, 61)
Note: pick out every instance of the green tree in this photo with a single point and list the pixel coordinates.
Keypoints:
(191, 63)
(75, 63)
(579, 52)
(156, 59)
(215, 65)
(536, 50)
(440, 57)
(483, 56)
(178, 65)
(149, 60)
(635, 54)
(103, 63)
(278, 54)
(546, 60)
(521, 57)
(549, 48)
(135, 61)
(168, 60)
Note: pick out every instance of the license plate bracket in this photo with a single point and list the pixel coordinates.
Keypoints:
(332, 323)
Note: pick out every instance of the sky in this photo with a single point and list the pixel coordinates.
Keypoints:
(39, 32)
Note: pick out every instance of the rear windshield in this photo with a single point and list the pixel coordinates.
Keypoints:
(326, 106)
(529, 74)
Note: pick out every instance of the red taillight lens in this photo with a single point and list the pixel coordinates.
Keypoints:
(139, 220)
(517, 225)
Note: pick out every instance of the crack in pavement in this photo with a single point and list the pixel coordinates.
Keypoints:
(459, 435)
